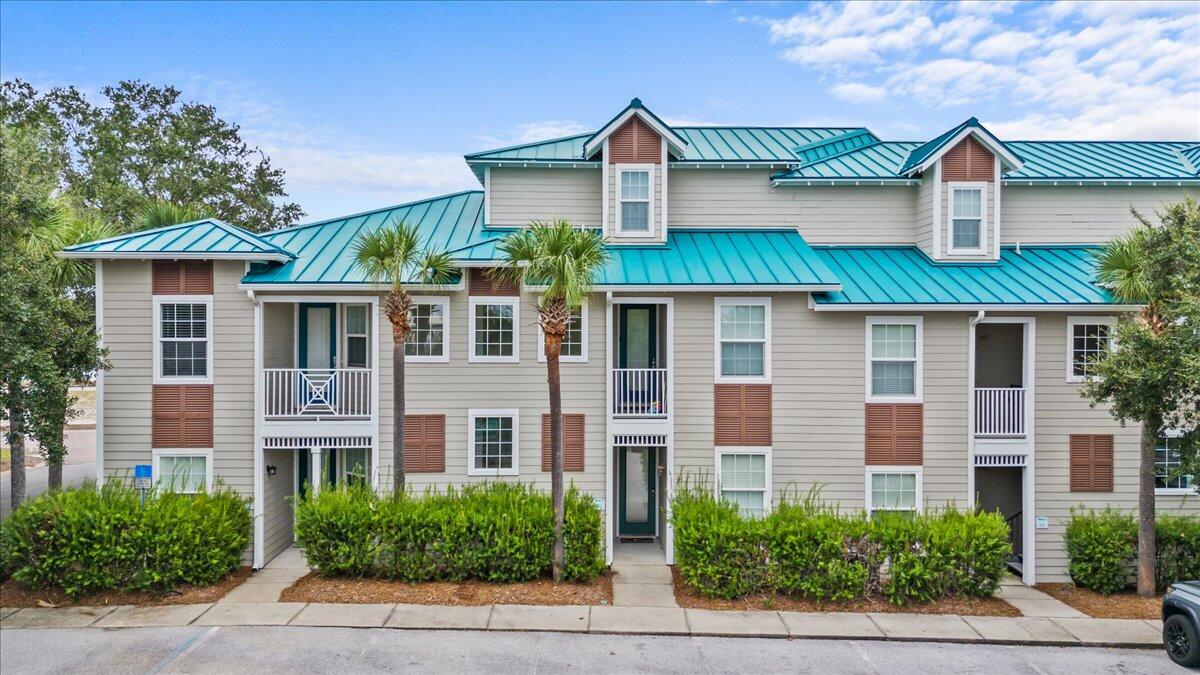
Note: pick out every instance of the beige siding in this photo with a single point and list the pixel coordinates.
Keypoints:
(989, 224)
(279, 327)
(233, 378)
(924, 213)
(1078, 214)
(277, 507)
(128, 334)
(614, 193)
(517, 196)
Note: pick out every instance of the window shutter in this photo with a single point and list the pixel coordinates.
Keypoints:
(182, 277)
(1091, 460)
(424, 443)
(895, 434)
(572, 442)
(635, 143)
(969, 161)
(482, 283)
(181, 416)
(742, 414)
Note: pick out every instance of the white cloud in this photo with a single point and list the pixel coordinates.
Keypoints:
(531, 132)
(1004, 45)
(858, 92)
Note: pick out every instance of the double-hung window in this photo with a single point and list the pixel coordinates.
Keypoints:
(354, 467)
(743, 328)
(1088, 338)
(430, 336)
(968, 216)
(635, 213)
(183, 471)
(893, 489)
(574, 344)
(495, 330)
(492, 442)
(744, 478)
(183, 339)
(357, 350)
(894, 354)
(1167, 462)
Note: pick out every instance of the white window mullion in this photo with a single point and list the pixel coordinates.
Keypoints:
(494, 330)
(742, 340)
(183, 339)
(429, 341)
(1087, 337)
(744, 478)
(894, 359)
(493, 442)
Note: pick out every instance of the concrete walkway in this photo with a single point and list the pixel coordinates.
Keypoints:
(641, 576)
(1035, 603)
(267, 584)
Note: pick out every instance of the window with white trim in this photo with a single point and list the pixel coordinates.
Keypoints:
(743, 478)
(1167, 462)
(492, 447)
(574, 345)
(633, 200)
(354, 465)
(183, 339)
(429, 339)
(355, 330)
(894, 353)
(892, 489)
(743, 340)
(495, 332)
(183, 471)
(1088, 338)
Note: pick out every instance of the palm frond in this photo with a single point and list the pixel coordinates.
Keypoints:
(1120, 267)
(395, 255)
(164, 214)
(556, 255)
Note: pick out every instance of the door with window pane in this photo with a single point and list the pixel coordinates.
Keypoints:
(638, 509)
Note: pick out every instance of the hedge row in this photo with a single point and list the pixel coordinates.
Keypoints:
(1102, 549)
(85, 539)
(499, 532)
(809, 550)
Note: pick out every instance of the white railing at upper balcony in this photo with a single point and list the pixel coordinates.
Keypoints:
(1000, 412)
(639, 392)
(316, 393)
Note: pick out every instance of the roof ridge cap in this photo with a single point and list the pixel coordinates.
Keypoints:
(514, 146)
(153, 230)
(292, 228)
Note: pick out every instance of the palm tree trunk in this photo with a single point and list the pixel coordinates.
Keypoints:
(1147, 555)
(553, 350)
(398, 407)
(17, 457)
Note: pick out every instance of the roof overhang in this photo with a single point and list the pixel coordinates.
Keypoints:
(253, 286)
(674, 141)
(818, 306)
(785, 182)
(720, 288)
(143, 255)
(1106, 182)
(993, 144)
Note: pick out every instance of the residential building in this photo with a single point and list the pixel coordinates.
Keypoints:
(902, 325)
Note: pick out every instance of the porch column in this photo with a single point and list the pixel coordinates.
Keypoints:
(314, 471)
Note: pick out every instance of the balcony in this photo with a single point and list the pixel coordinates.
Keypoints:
(999, 412)
(316, 394)
(639, 392)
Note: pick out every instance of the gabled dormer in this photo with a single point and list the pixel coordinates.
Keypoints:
(634, 148)
(958, 201)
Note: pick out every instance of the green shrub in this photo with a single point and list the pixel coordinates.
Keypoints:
(86, 539)
(501, 532)
(1101, 547)
(1177, 548)
(807, 549)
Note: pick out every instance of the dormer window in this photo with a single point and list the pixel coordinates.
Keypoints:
(634, 213)
(967, 218)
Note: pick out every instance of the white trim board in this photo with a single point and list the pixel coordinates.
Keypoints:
(156, 346)
(718, 304)
(515, 414)
(444, 302)
(477, 300)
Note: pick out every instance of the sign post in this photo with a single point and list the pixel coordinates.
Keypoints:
(142, 479)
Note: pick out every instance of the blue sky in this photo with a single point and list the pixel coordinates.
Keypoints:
(372, 104)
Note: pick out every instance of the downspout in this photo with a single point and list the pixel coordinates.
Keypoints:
(257, 451)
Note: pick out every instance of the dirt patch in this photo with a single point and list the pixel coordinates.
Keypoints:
(686, 597)
(14, 594)
(1124, 605)
(32, 458)
(313, 588)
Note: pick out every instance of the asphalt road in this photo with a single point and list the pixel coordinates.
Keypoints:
(227, 650)
(80, 466)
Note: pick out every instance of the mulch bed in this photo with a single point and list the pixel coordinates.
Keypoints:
(15, 594)
(1126, 604)
(314, 588)
(687, 597)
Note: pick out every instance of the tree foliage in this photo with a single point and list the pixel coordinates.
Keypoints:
(144, 144)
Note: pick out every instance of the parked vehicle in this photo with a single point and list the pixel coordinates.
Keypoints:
(1181, 623)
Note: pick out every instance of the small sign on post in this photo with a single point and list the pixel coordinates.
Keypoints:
(143, 479)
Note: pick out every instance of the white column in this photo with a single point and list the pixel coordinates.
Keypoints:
(314, 471)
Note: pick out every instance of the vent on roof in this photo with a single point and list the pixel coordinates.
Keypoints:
(1191, 155)
(835, 145)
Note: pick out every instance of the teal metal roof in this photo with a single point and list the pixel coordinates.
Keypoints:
(1100, 160)
(1037, 275)
(565, 149)
(834, 146)
(922, 153)
(878, 161)
(322, 250)
(208, 238)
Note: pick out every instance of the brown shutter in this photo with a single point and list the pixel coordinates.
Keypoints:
(425, 443)
(181, 416)
(482, 283)
(1091, 460)
(635, 143)
(895, 434)
(968, 160)
(182, 277)
(572, 442)
(742, 414)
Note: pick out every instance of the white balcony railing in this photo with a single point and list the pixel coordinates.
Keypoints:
(314, 394)
(1000, 411)
(639, 392)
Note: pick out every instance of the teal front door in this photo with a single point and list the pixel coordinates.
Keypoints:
(638, 506)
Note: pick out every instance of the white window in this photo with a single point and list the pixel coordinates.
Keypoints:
(357, 351)
(495, 330)
(1087, 338)
(1167, 461)
(186, 471)
(893, 489)
(183, 339)
(743, 336)
(635, 209)
(354, 464)
(744, 478)
(492, 447)
(574, 346)
(429, 340)
(894, 359)
(968, 218)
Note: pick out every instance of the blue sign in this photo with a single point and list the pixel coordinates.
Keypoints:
(142, 471)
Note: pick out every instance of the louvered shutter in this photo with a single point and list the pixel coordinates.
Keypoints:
(968, 161)
(182, 277)
(894, 434)
(742, 414)
(425, 443)
(181, 416)
(482, 283)
(1091, 462)
(573, 426)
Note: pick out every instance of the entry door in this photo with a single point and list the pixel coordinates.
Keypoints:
(318, 336)
(638, 508)
(638, 336)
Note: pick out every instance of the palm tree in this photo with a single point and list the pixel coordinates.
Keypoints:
(563, 260)
(396, 256)
(164, 214)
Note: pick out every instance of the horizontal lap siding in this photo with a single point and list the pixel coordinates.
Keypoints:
(277, 507)
(233, 379)
(517, 196)
(1078, 214)
(279, 341)
(128, 328)
(924, 213)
